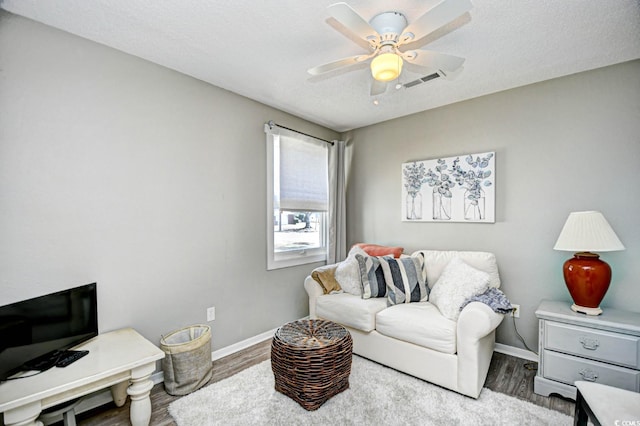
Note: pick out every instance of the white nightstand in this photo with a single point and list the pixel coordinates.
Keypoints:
(572, 346)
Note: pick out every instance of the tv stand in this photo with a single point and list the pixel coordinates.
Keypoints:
(122, 360)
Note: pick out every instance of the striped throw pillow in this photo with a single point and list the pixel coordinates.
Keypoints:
(371, 277)
(406, 279)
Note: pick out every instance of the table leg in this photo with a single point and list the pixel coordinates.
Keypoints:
(583, 412)
(140, 411)
(119, 393)
(24, 416)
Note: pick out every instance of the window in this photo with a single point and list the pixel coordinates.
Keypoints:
(297, 198)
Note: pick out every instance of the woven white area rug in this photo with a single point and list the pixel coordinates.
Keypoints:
(377, 395)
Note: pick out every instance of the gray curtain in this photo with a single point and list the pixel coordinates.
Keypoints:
(337, 247)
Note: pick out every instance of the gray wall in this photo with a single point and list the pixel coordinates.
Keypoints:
(563, 145)
(116, 170)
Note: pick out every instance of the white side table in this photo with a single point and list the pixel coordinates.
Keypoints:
(606, 405)
(122, 360)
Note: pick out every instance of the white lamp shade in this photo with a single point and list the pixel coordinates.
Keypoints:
(386, 67)
(587, 231)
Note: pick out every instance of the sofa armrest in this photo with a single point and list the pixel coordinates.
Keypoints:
(476, 339)
(314, 290)
(477, 320)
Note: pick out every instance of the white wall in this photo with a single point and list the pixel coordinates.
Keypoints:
(563, 145)
(152, 183)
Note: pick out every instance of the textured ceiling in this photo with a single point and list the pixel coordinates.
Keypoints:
(261, 49)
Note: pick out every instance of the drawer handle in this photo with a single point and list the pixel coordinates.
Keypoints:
(588, 375)
(590, 344)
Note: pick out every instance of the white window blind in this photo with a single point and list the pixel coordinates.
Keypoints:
(304, 174)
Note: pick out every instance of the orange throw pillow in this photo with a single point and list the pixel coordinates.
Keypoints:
(377, 250)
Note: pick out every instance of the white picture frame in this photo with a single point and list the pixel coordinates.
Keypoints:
(452, 189)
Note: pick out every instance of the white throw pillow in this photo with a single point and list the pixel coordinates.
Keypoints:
(348, 272)
(457, 283)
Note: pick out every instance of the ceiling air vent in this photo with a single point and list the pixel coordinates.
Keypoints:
(422, 80)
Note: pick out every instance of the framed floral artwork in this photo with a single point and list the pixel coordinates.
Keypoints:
(452, 189)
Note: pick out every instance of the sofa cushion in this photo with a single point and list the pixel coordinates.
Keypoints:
(350, 310)
(437, 260)
(418, 323)
(348, 272)
(457, 283)
(405, 279)
(371, 277)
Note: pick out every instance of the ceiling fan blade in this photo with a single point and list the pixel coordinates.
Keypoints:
(340, 63)
(438, 16)
(348, 17)
(378, 87)
(433, 60)
(452, 75)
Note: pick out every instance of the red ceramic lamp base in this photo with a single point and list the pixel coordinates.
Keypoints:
(587, 278)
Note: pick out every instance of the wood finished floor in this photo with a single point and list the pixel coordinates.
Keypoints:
(507, 374)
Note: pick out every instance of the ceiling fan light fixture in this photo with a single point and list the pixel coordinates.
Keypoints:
(386, 67)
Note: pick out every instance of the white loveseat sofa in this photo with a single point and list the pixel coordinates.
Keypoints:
(416, 338)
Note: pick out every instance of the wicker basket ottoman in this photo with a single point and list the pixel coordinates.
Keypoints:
(311, 361)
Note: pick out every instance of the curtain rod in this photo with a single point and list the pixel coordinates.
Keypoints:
(271, 124)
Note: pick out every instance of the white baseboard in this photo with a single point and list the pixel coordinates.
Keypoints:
(237, 347)
(517, 352)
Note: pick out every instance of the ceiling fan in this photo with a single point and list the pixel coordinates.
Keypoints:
(387, 32)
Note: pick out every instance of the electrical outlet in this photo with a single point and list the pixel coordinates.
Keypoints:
(211, 313)
(516, 311)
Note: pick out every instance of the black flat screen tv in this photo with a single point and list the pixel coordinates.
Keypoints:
(33, 328)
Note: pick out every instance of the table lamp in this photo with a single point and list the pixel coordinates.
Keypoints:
(587, 277)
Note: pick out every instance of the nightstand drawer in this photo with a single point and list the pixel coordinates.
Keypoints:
(615, 348)
(568, 369)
